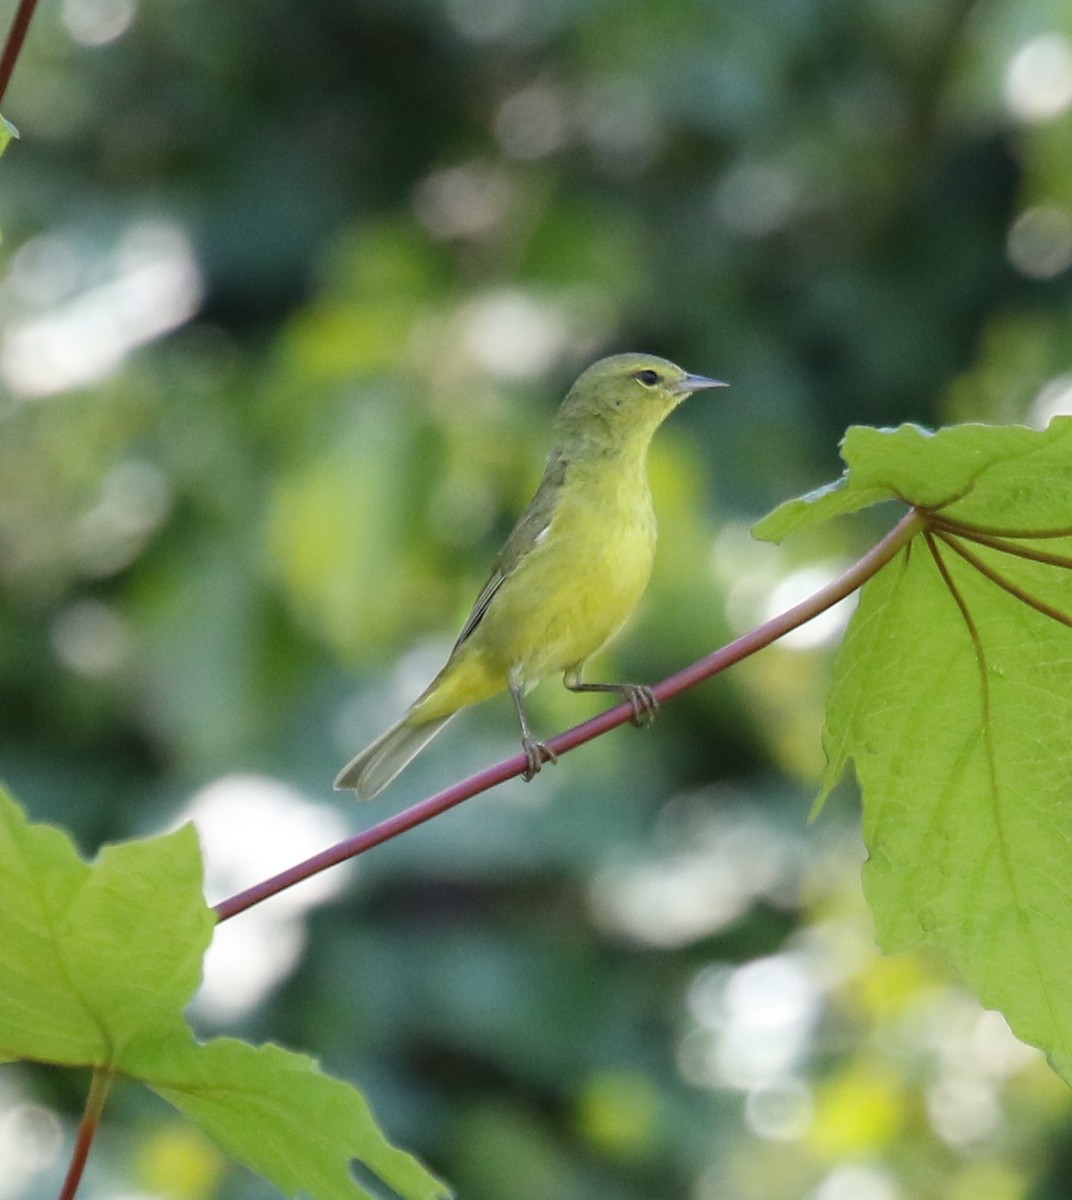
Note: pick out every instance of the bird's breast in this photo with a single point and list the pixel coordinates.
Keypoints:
(580, 581)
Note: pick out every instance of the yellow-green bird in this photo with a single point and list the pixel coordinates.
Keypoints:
(570, 573)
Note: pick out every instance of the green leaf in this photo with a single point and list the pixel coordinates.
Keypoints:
(831, 500)
(7, 132)
(934, 470)
(953, 699)
(970, 471)
(94, 958)
(277, 1113)
(97, 963)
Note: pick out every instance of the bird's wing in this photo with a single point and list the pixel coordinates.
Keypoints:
(526, 535)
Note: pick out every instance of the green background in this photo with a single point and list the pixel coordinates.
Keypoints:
(289, 295)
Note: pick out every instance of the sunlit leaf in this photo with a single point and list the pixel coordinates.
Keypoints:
(280, 1115)
(97, 962)
(95, 957)
(953, 699)
(832, 500)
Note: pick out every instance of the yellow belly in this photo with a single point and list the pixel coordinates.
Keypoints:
(566, 599)
(564, 605)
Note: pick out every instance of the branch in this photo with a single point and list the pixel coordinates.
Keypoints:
(16, 35)
(87, 1130)
(858, 574)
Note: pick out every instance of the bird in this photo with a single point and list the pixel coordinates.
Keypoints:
(569, 575)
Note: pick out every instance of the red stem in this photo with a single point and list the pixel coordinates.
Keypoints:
(858, 574)
(15, 37)
(87, 1131)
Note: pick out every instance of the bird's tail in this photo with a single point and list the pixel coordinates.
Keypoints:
(374, 768)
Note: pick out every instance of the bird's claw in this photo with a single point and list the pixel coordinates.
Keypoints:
(536, 754)
(645, 706)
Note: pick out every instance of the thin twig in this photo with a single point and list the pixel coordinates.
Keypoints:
(15, 37)
(87, 1130)
(858, 574)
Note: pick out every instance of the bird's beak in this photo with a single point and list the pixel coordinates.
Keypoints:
(696, 383)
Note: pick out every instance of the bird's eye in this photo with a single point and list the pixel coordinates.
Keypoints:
(647, 378)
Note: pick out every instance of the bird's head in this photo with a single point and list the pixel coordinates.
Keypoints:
(627, 396)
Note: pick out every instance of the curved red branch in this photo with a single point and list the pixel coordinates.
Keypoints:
(858, 574)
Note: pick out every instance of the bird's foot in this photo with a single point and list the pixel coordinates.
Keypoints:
(536, 753)
(645, 706)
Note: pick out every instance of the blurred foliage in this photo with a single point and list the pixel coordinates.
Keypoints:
(289, 294)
